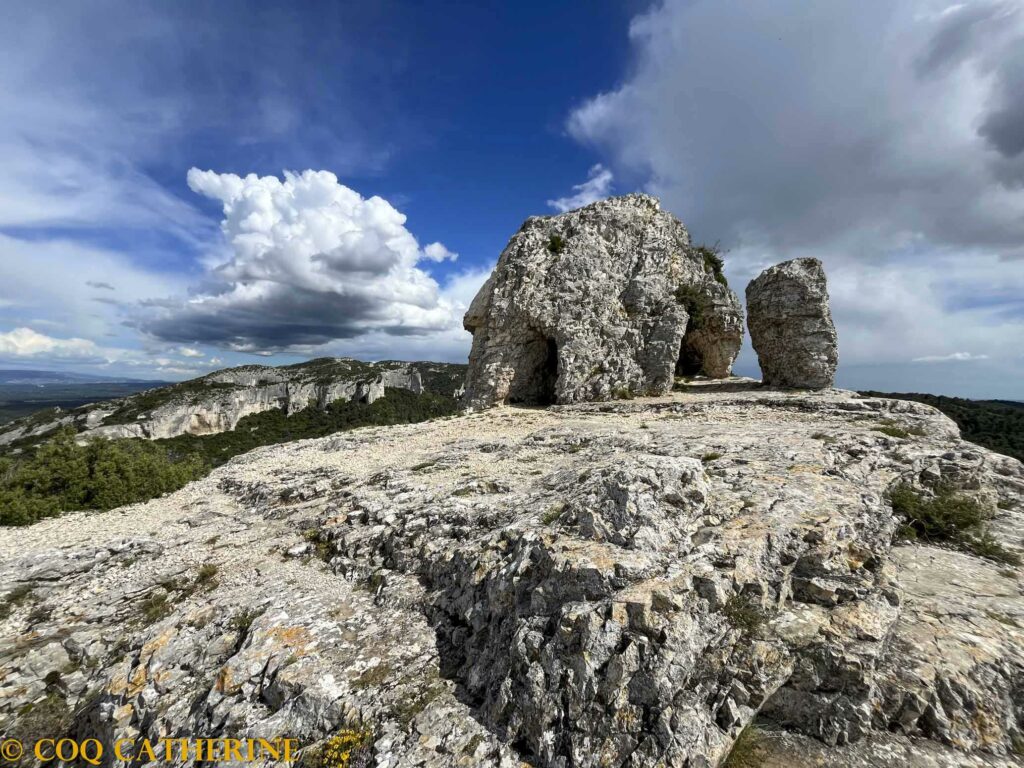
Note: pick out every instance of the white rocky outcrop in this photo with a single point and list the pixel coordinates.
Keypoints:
(634, 583)
(596, 304)
(791, 325)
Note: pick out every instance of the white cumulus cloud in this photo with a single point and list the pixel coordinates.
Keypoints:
(597, 186)
(27, 343)
(310, 261)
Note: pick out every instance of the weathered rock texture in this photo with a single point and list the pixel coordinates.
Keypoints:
(597, 304)
(791, 325)
(605, 584)
(217, 402)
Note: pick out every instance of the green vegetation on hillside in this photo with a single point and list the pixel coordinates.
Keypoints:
(995, 424)
(60, 476)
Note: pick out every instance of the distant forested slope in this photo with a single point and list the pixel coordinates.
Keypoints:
(995, 424)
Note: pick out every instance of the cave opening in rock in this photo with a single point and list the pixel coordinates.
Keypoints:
(537, 373)
(549, 375)
(691, 350)
(691, 360)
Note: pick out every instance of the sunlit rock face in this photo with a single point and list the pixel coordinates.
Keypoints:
(791, 325)
(598, 304)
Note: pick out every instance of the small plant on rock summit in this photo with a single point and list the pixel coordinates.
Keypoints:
(556, 244)
(713, 261)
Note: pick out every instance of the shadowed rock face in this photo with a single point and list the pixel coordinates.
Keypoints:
(791, 325)
(597, 304)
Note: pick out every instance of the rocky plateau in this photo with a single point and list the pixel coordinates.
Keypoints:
(645, 582)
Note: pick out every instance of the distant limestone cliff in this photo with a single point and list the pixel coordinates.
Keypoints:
(217, 402)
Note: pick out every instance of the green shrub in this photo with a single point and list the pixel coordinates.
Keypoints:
(695, 302)
(14, 598)
(947, 517)
(942, 517)
(48, 718)
(206, 577)
(154, 607)
(713, 263)
(892, 431)
(241, 622)
(556, 244)
(553, 512)
(744, 615)
(710, 456)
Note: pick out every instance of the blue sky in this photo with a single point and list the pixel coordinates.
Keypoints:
(888, 141)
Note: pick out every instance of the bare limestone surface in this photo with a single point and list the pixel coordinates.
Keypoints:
(597, 304)
(629, 583)
(791, 325)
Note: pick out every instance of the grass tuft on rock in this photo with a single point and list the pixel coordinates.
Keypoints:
(744, 615)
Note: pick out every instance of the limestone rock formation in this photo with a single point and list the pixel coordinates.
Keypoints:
(597, 304)
(218, 401)
(791, 325)
(628, 584)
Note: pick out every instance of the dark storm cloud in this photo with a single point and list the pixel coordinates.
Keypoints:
(1004, 126)
(958, 33)
(276, 319)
